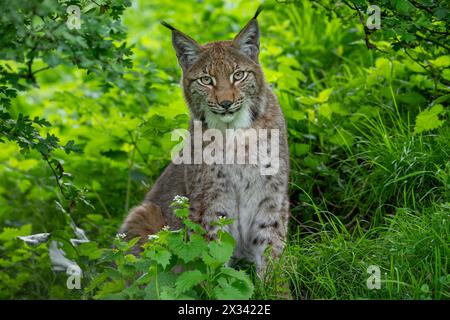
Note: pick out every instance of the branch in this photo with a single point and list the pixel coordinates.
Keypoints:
(61, 188)
(134, 143)
(369, 44)
(433, 41)
(420, 6)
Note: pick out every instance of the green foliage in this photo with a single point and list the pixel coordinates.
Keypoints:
(332, 263)
(36, 33)
(429, 119)
(174, 264)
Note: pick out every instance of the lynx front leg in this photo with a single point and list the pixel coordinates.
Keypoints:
(213, 198)
(270, 233)
(269, 230)
(269, 236)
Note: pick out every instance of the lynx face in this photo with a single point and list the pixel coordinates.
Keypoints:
(222, 80)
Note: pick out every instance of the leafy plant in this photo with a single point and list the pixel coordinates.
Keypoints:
(174, 264)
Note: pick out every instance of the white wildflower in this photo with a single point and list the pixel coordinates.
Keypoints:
(180, 200)
(121, 236)
(152, 237)
(166, 228)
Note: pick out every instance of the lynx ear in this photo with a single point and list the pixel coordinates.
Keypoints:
(186, 48)
(247, 40)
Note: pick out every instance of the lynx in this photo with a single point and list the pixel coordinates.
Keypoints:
(224, 87)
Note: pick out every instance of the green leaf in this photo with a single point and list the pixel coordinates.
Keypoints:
(221, 252)
(238, 274)
(12, 233)
(107, 288)
(162, 257)
(429, 119)
(324, 95)
(233, 290)
(226, 293)
(189, 279)
(441, 62)
(187, 251)
(91, 250)
(155, 287)
(299, 149)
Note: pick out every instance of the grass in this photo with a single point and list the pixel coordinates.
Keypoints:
(410, 251)
(398, 184)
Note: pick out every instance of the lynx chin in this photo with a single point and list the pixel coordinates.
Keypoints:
(224, 88)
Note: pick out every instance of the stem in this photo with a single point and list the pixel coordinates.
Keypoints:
(54, 174)
(433, 41)
(134, 143)
(369, 44)
(130, 166)
(102, 203)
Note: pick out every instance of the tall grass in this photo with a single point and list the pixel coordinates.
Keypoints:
(398, 184)
(410, 250)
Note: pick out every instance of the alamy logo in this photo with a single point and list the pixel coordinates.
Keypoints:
(373, 17)
(239, 146)
(74, 17)
(374, 280)
(74, 277)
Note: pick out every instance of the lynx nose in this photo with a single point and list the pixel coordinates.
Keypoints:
(225, 104)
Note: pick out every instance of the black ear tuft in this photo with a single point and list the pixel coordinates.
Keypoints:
(168, 26)
(247, 40)
(258, 11)
(186, 48)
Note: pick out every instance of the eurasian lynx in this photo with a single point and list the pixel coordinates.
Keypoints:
(224, 87)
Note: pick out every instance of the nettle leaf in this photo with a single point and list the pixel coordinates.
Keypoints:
(441, 62)
(238, 274)
(97, 281)
(187, 251)
(91, 250)
(324, 95)
(11, 233)
(242, 282)
(115, 286)
(125, 246)
(221, 252)
(188, 280)
(144, 279)
(158, 284)
(195, 227)
(210, 261)
(182, 213)
(245, 288)
(162, 257)
(321, 98)
(228, 292)
(429, 119)
(226, 237)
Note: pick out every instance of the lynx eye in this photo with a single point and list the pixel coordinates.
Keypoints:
(206, 80)
(238, 75)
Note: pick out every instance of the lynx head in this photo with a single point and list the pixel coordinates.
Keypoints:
(222, 81)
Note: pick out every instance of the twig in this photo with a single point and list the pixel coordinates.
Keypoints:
(420, 6)
(61, 188)
(433, 41)
(134, 143)
(416, 61)
(369, 44)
